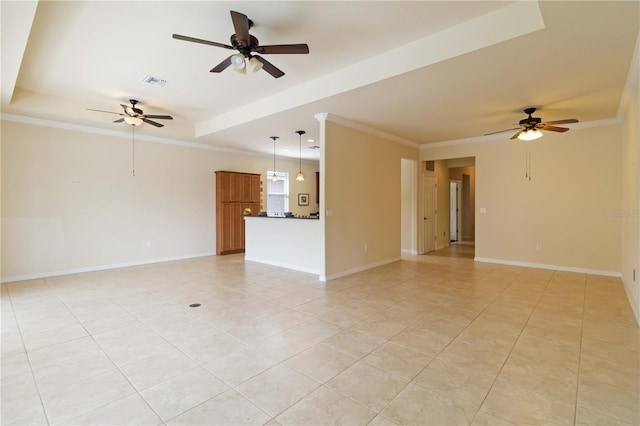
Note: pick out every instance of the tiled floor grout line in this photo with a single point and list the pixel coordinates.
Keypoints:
(584, 311)
(500, 294)
(26, 353)
(451, 341)
(110, 359)
(514, 343)
(198, 364)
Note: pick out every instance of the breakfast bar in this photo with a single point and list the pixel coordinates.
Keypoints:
(288, 242)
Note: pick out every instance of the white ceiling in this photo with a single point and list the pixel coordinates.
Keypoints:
(423, 71)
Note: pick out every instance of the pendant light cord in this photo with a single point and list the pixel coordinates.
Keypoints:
(274, 177)
(300, 148)
(300, 176)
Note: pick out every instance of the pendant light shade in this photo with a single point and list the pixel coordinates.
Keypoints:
(237, 60)
(254, 65)
(274, 178)
(300, 177)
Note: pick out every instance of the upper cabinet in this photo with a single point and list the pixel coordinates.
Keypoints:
(235, 192)
(238, 187)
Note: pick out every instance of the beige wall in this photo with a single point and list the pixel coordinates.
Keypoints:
(363, 190)
(630, 206)
(70, 202)
(576, 179)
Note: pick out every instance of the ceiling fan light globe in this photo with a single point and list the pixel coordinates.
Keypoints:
(133, 121)
(237, 61)
(254, 65)
(529, 135)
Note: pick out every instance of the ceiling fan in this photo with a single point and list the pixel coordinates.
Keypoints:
(134, 116)
(246, 45)
(530, 127)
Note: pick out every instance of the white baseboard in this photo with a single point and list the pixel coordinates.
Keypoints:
(283, 265)
(552, 267)
(358, 269)
(408, 251)
(100, 267)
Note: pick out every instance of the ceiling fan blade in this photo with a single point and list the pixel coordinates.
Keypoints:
(159, 117)
(502, 131)
(517, 134)
(241, 25)
(108, 112)
(546, 126)
(567, 121)
(120, 120)
(270, 68)
(197, 40)
(283, 49)
(222, 65)
(153, 123)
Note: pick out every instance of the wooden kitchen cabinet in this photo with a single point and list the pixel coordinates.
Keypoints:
(234, 192)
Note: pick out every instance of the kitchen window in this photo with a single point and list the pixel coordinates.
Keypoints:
(277, 193)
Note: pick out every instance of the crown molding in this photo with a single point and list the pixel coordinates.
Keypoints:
(370, 130)
(120, 134)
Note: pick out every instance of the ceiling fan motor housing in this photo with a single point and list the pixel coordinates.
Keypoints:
(530, 121)
(242, 47)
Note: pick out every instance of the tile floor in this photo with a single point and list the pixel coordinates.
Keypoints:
(427, 340)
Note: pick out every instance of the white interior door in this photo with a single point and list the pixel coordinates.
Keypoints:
(430, 195)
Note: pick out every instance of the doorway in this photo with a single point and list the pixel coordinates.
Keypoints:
(430, 213)
(454, 223)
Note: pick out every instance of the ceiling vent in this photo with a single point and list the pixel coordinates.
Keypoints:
(155, 81)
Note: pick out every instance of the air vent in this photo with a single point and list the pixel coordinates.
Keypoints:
(154, 80)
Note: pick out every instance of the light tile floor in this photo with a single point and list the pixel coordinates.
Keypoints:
(427, 340)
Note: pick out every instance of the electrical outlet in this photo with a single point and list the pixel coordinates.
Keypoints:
(538, 247)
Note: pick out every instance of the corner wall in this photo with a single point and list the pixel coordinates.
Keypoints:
(564, 207)
(630, 208)
(70, 202)
(362, 199)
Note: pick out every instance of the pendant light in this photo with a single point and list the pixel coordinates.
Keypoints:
(274, 178)
(300, 177)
